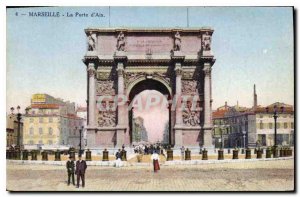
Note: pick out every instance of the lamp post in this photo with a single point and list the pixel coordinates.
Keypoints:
(275, 116)
(80, 135)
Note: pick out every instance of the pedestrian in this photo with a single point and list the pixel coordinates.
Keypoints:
(80, 171)
(118, 159)
(71, 170)
(155, 160)
(182, 152)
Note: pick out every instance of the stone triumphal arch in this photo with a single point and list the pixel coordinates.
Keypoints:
(175, 62)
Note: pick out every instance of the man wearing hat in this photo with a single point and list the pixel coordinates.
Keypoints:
(71, 169)
(80, 171)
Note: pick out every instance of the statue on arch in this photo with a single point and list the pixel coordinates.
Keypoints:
(91, 41)
(177, 41)
(121, 42)
(206, 42)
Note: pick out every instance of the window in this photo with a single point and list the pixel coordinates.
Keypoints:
(50, 119)
(50, 130)
(50, 142)
(261, 125)
(40, 141)
(270, 126)
(31, 131)
(31, 120)
(278, 125)
(261, 116)
(285, 125)
(30, 142)
(41, 131)
(292, 125)
(41, 120)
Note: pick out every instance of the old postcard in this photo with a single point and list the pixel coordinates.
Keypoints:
(150, 99)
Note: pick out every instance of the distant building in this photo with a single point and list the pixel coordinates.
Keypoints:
(51, 122)
(265, 124)
(236, 126)
(139, 130)
(12, 130)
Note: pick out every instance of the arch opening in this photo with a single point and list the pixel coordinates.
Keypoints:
(150, 123)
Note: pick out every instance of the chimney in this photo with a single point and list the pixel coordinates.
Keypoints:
(254, 98)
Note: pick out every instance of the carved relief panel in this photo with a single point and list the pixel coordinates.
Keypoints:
(105, 88)
(190, 116)
(107, 118)
(189, 87)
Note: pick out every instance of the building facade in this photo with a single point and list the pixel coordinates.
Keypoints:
(124, 62)
(265, 124)
(12, 130)
(51, 122)
(254, 126)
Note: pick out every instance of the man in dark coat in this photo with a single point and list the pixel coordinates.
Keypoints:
(80, 171)
(71, 169)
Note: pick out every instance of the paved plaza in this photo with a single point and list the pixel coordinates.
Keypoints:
(249, 176)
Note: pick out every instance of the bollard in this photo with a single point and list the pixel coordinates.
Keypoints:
(7, 154)
(235, 154)
(220, 154)
(268, 153)
(275, 152)
(228, 150)
(285, 152)
(72, 154)
(248, 153)
(45, 156)
(57, 155)
(290, 152)
(281, 153)
(123, 155)
(204, 154)
(18, 154)
(105, 155)
(33, 155)
(259, 154)
(25, 155)
(88, 155)
(170, 155)
(187, 154)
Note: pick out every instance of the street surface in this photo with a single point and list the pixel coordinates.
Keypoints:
(250, 176)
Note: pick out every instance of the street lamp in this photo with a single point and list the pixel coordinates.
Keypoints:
(80, 135)
(275, 115)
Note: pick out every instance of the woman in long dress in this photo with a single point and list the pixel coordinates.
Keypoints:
(155, 159)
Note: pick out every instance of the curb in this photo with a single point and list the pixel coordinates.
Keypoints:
(167, 163)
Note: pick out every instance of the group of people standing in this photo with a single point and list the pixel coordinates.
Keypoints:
(146, 150)
(79, 170)
(80, 167)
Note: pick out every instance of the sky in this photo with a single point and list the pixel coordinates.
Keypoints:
(252, 45)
